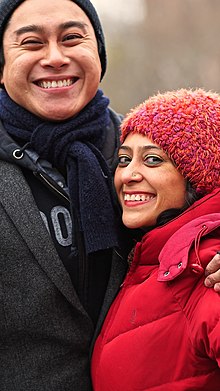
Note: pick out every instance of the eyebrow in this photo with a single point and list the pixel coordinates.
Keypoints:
(40, 29)
(144, 148)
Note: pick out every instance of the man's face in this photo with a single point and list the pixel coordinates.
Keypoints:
(52, 67)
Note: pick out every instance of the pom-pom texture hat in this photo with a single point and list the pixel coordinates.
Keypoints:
(186, 125)
(7, 7)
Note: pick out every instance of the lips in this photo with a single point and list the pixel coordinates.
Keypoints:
(47, 84)
(138, 197)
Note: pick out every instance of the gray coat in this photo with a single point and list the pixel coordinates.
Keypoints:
(45, 333)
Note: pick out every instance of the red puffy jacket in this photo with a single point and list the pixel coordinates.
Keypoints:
(162, 332)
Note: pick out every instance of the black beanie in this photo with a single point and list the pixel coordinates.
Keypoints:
(7, 8)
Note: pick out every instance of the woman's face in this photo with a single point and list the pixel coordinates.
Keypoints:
(146, 181)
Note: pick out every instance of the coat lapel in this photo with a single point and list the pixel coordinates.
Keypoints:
(18, 202)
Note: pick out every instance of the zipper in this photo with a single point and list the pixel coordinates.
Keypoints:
(82, 270)
(49, 184)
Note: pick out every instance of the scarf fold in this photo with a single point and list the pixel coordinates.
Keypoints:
(74, 144)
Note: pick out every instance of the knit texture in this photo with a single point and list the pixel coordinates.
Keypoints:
(186, 125)
(74, 144)
(7, 7)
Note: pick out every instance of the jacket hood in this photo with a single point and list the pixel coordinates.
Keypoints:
(11, 152)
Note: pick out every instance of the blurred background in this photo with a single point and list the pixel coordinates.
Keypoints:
(159, 45)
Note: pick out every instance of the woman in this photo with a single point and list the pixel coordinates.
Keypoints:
(163, 331)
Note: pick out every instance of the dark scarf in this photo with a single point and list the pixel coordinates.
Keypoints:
(74, 144)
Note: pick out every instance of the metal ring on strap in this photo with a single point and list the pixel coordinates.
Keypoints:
(17, 154)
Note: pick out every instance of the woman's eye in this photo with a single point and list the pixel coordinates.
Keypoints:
(153, 160)
(123, 160)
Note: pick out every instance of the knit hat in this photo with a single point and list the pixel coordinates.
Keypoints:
(7, 7)
(186, 125)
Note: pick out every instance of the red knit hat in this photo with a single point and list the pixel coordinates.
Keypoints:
(186, 125)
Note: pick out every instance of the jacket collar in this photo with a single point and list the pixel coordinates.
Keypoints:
(169, 244)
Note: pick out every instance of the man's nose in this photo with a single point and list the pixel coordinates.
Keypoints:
(55, 57)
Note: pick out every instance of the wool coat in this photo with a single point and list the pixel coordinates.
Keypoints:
(45, 330)
(162, 332)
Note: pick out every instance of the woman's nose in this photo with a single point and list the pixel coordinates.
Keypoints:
(131, 175)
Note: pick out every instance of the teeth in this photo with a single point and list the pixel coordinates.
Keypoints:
(138, 197)
(56, 83)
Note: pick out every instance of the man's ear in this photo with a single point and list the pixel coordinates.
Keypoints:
(2, 61)
(1, 78)
(1, 72)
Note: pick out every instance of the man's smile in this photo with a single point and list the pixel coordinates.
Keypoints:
(56, 83)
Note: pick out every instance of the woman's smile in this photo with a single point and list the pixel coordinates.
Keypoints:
(147, 182)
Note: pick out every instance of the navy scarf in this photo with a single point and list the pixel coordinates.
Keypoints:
(74, 144)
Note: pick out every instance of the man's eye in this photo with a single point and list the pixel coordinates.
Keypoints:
(153, 160)
(123, 160)
(71, 37)
(32, 41)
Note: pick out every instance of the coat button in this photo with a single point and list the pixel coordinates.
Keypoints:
(166, 274)
(180, 265)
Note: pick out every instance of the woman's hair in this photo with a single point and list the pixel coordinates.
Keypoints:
(169, 214)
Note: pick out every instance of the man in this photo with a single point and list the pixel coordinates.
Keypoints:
(58, 215)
